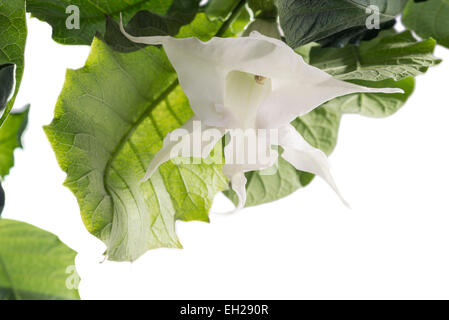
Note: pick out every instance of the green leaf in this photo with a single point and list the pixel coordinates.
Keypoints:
(355, 35)
(170, 14)
(305, 21)
(12, 44)
(429, 19)
(35, 264)
(389, 56)
(110, 120)
(10, 139)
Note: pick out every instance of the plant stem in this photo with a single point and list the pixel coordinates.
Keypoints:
(6, 112)
(235, 13)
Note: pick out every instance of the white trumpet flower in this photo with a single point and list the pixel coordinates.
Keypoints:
(253, 82)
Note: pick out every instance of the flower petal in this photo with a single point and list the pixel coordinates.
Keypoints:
(243, 155)
(203, 67)
(243, 96)
(307, 90)
(304, 157)
(238, 184)
(189, 140)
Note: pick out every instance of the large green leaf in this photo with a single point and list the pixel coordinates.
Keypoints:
(429, 19)
(35, 264)
(168, 15)
(110, 120)
(374, 60)
(305, 21)
(10, 139)
(13, 32)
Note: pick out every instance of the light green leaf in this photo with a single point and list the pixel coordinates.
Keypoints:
(390, 56)
(12, 42)
(35, 264)
(203, 29)
(429, 19)
(305, 21)
(10, 139)
(110, 120)
(172, 14)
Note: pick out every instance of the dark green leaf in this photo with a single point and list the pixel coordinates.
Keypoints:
(171, 14)
(429, 19)
(305, 21)
(354, 35)
(35, 264)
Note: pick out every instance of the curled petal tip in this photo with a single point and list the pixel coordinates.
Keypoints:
(122, 28)
(254, 33)
(337, 191)
(152, 40)
(397, 90)
(346, 203)
(238, 183)
(389, 90)
(146, 177)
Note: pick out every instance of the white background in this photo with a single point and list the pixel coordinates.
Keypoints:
(394, 243)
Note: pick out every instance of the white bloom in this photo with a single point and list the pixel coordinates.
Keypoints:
(253, 82)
